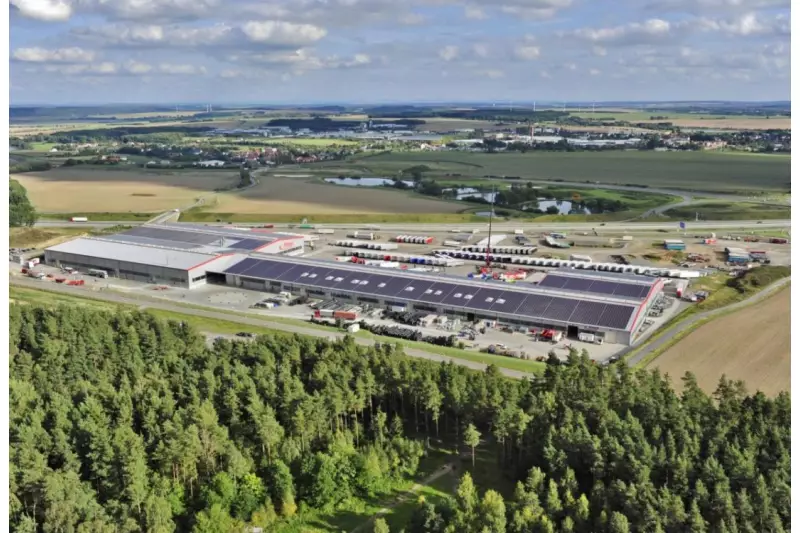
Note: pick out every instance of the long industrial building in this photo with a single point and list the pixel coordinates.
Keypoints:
(172, 254)
(612, 306)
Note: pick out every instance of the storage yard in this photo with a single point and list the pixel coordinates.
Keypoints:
(601, 296)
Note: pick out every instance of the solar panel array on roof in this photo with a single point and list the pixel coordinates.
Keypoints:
(248, 244)
(134, 239)
(173, 235)
(490, 299)
(620, 289)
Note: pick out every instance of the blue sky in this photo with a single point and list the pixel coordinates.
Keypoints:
(306, 51)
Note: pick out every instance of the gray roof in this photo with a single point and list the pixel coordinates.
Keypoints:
(134, 253)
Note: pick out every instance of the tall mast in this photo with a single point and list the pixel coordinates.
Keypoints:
(489, 242)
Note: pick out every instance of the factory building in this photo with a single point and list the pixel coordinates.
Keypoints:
(177, 255)
(611, 306)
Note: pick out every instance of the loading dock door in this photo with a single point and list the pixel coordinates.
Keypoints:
(572, 332)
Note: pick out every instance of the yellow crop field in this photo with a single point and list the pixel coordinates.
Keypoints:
(81, 190)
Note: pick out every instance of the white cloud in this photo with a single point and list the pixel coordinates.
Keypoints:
(599, 51)
(284, 33)
(413, 19)
(184, 70)
(480, 50)
(135, 67)
(714, 6)
(449, 52)
(58, 55)
(544, 74)
(527, 53)
(474, 13)
(633, 33)
(493, 74)
(534, 9)
(747, 25)
(594, 72)
(261, 33)
(44, 10)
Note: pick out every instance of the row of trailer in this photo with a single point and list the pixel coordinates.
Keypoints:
(363, 235)
(508, 250)
(414, 239)
(366, 244)
(563, 263)
(407, 258)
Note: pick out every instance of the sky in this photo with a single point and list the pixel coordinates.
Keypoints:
(374, 51)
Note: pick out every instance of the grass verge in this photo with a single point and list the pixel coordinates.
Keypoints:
(101, 217)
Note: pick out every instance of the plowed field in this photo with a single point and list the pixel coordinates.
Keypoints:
(752, 344)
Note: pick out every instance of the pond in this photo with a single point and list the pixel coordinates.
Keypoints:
(464, 193)
(365, 182)
(564, 207)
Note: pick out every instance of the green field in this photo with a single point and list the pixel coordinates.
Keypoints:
(700, 171)
(730, 211)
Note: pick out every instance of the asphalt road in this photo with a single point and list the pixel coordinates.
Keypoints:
(690, 321)
(158, 304)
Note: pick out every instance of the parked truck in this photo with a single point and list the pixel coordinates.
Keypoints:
(78, 219)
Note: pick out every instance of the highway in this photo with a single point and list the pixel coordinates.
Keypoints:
(496, 226)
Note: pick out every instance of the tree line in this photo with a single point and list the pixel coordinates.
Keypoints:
(20, 210)
(126, 422)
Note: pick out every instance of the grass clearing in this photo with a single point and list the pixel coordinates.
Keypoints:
(730, 211)
(750, 344)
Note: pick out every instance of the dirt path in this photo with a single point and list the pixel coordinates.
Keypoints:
(405, 496)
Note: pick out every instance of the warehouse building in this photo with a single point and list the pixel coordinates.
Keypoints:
(177, 255)
(145, 263)
(612, 306)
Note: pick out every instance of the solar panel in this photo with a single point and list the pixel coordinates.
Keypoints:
(631, 291)
(560, 309)
(391, 286)
(173, 235)
(460, 296)
(484, 299)
(603, 287)
(616, 316)
(437, 292)
(578, 284)
(534, 306)
(248, 244)
(587, 313)
(316, 277)
(241, 266)
(269, 270)
(293, 274)
(556, 282)
(121, 237)
(508, 302)
(413, 290)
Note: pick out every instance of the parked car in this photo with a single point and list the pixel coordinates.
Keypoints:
(246, 334)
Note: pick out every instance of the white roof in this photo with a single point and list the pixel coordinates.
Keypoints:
(134, 253)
